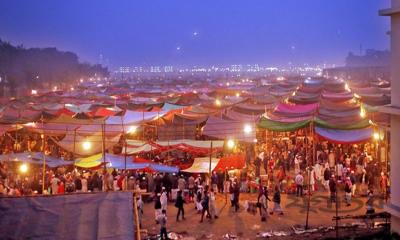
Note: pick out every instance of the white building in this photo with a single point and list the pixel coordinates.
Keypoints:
(394, 109)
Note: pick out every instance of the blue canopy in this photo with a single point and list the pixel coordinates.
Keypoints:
(34, 158)
(345, 136)
(163, 168)
(117, 161)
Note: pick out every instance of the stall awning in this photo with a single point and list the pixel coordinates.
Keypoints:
(202, 165)
(345, 136)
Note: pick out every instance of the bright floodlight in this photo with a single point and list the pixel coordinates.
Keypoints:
(347, 88)
(132, 129)
(363, 114)
(86, 145)
(230, 143)
(237, 94)
(33, 92)
(23, 168)
(218, 102)
(247, 128)
(376, 136)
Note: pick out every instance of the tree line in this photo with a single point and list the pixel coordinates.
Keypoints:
(28, 68)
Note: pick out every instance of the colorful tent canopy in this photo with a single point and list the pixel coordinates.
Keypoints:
(280, 126)
(34, 158)
(202, 165)
(155, 167)
(228, 129)
(86, 145)
(185, 145)
(345, 136)
(231, 162)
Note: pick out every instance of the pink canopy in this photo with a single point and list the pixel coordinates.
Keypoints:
(291, 108)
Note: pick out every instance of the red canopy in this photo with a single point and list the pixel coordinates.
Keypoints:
(231, 162)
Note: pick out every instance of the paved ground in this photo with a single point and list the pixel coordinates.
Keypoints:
(247, 225)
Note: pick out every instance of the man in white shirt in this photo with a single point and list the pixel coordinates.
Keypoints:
(54, 184)
(299, 180)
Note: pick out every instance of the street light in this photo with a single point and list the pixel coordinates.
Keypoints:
(23, 168)
(87, 145)
(132, 129)
(218, 102)
(376, 136)
(230, 144)
(247, 129)
(363, 113)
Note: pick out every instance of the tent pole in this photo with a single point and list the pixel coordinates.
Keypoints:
(73, 154)
(211, 149)
(136, 212)
(103, 144)
(125, 144)
(44, 156)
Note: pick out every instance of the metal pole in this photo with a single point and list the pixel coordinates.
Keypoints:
(103, 145)
(211, 149)
(309, 178)
(125, 143)
(337, 202)
(135, 210)
(44, 157)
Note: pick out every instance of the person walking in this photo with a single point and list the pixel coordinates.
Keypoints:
(353, 183)
(370, 201)
(213, 206)
(236, 193)
(205, 203)
(299, 180)
(179, 204)
(263, 204)
(157, 207)
(162, 219)
(332, 188)
(347, 191)
(327, 176)
(277, 202)
(181, 183)
(164, 199)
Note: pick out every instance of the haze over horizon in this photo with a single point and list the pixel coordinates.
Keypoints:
(182, 33)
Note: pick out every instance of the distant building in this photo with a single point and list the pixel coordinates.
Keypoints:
(373, 65)
(372, 58)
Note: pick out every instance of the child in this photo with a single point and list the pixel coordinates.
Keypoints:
(162, 219)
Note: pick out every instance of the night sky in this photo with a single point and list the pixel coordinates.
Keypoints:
(206, 32)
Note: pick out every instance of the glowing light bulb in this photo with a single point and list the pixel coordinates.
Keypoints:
(23, 168)
(230, 143)
(86, 145)
(247, 128)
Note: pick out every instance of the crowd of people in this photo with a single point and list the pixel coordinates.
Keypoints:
(290, 166)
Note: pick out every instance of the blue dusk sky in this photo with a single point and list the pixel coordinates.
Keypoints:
(202, 33)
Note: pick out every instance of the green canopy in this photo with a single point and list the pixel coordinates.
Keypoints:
(342, 126)
(281, 126)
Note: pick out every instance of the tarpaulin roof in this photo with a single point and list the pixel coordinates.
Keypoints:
(34, 158)
(185, 145)
(86, 145)
(345, 136)
(228, 129)
(337, 124)
(281, 126)
(202, 165)
(112, 161)
(231, 162)
(296, 109)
